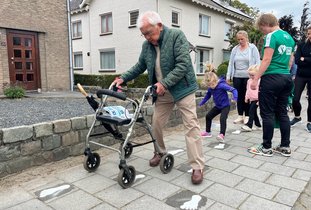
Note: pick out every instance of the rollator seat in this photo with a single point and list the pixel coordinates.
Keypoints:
(116, 120)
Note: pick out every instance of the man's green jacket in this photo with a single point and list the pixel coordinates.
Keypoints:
(177, 70)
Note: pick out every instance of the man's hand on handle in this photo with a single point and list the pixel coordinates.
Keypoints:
(118, 81)
(160, 89)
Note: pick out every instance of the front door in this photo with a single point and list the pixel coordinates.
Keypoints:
(23, 59)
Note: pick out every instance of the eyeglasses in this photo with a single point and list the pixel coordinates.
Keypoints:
(149, 33)
(251, 75)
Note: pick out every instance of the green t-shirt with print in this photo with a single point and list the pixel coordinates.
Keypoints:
(283, 45)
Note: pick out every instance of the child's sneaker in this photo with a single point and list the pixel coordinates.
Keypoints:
(285, 151)
(308, 127)
(246, 128)
(221, 138)
(245, 120)
(257, 128)
(206, 134)
(260, 150)
(295, 120)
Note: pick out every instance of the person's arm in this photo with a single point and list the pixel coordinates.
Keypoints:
(268, 53)
(230, 69)
(206, 98)
(231, 89)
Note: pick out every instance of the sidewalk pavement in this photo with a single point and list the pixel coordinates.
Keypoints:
(233, 178)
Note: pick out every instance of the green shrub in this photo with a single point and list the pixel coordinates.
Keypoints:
(14, 91)
(222, 69)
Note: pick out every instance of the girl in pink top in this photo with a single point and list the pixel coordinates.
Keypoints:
(251, 97)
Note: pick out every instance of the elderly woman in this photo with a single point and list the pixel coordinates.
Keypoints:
(243, 56)
(275, 85)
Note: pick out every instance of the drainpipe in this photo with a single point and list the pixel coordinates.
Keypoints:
(70, 46)
(158, 4)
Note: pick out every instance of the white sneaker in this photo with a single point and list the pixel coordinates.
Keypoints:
(238, 120)
(246, 128)
(256, 128)
(246, 118)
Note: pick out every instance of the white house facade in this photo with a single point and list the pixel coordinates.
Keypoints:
(106, 39)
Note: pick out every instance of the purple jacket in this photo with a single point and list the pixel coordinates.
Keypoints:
(220, 94)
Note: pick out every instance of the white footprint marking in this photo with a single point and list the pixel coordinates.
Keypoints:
(192, 204)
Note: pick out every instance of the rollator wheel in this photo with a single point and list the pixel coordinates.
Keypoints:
(128, 149)
(91, 162)
(167, 163)
(126, 180)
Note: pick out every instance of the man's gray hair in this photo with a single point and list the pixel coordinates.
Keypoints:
(150, 17)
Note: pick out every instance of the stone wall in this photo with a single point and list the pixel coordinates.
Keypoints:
(26, 146)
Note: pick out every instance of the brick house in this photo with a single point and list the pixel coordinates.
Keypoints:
(34, 46)
(106, 39)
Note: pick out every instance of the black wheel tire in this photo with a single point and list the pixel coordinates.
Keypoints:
(167, 163)
(126, 180)
(128, 149)
(91, 162)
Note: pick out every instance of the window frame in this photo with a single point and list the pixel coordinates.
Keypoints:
(100, 60)
(74, 60)
(130, 18)
(77, 35)
(227, 37)
(109, 31)
(178, 18)
(200, 63)
(208, 25)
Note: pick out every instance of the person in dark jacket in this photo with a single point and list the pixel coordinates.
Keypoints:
(218, 89)
(166, 58)
(302, 79)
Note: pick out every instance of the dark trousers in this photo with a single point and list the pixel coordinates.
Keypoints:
(274, 90)
(223, 118)
(300, 84)
(240, 85)
(253, 117)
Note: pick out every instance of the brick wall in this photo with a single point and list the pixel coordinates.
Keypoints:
(49, 19)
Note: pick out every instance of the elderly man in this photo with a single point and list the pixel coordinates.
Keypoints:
(165, 55)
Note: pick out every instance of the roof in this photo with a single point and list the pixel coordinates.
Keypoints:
(74, 4)
(223, 7)
(77, 6)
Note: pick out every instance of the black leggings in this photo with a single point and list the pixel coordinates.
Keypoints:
(223, 118)
(240, 84)
(300, 84)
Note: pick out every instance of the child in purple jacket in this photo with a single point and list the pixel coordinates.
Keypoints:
(217, 87)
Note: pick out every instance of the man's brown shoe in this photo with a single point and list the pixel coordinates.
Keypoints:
(153, 162)
(197, 176)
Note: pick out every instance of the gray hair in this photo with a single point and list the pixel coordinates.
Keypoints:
(150, 17)
(243, 33)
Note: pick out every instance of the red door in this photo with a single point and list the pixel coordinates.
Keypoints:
(23, 59)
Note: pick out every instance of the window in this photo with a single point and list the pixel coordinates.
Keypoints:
(106, 23)
(203, 56)
(133, 16)
(77, 29)
(77, 60)
(204, 25)
(175, 19)
(226, 55)
(228, 31)
(107, 60)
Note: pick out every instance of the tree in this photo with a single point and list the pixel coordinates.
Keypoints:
(304, 21)
(251, 11)
(286, 23)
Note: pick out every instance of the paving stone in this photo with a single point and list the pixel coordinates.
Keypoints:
(222, 164)
(195, 201)
(31, 204)
(247, 161)
(258, 188)
(139, 164)
(104, 206)
(287, 197)
(75, 200)
(95, 183)
(219, 206)
(239, 151)
(298, 155)
(301, 174)
(240, 143)
(152, 186)
(298, 164)
(184, 181)
(304, 150)
(305, 201)
(117, 196)
(157, 173)
(17, 195)
(287, 182)
(252, 173)
(308, 158)
(277, 169)
(223, 177)
(225, 195)
(278, 159)
(140, 204)
(257, 203)
(220, 154)
(76, 173)
(108, 169)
